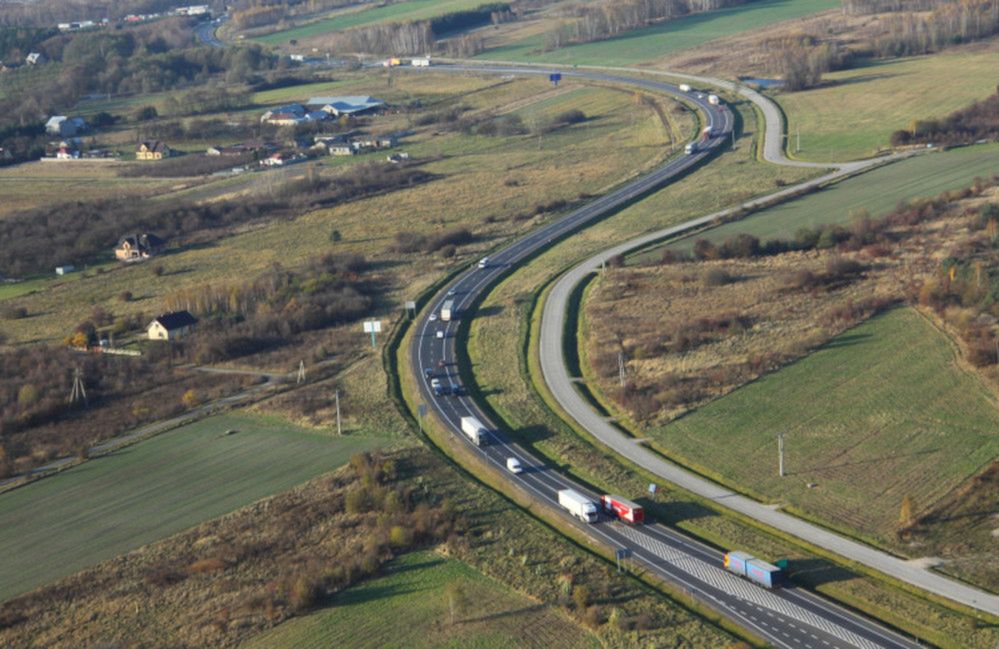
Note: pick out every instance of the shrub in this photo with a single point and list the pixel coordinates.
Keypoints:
(304, 594)
(716, 277)
(125, 296)
(202, 566)
(12, 312)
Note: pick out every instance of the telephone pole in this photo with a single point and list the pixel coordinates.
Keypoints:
(301, 372)
(620, 368)
(79, 391)
(780, 454)
(339, 429)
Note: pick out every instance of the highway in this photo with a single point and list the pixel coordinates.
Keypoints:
(789, 617)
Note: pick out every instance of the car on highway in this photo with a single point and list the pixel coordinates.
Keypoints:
(440, 333)
(441, 364)
(428, 372)
(432, 316)
(483, 262)
(457, 389)
(450, 293)
(513, 465)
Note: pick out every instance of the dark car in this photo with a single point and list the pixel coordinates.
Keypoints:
(428, 372)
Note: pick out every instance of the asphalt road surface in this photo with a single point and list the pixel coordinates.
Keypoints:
(789, 617)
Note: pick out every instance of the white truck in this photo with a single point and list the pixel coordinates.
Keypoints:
(447, 310)
(578, 505)
(474, 430)
(684, 87)
(714, 100)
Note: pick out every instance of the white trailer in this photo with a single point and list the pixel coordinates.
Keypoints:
(447, 310)
(474, 430)
(714, 100)
(578, 505)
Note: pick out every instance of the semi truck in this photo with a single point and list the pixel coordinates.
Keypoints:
(755, 570)
(578, 505)
(447, 310)
(474, 430)
(622, 509)
(714, 100)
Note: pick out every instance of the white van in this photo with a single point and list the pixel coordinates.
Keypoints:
(513, 465)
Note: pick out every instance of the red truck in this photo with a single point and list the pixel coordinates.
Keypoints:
(622, 509)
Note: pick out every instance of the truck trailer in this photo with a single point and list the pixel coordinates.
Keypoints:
(447, 310)
(578, 505)
(474, 430)
(755, 570)
(622, 509)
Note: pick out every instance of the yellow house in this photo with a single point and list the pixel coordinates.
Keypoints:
(152, 150)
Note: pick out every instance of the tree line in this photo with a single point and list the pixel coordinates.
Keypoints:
(240, 319)
(975, 122)
(37, 240)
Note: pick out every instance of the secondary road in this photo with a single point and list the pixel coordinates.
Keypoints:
(787, 618)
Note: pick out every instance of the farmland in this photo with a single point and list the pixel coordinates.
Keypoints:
(395, 12)
(880, 413)
(855, 111)
(644, 45)
(150, 490)
(413, 595)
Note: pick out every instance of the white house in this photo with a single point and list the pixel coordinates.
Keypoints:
(171, 326)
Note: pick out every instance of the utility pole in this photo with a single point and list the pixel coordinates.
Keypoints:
(301, 372)
(79, 391)
(620, 368)
(780, 454)
(339, 429)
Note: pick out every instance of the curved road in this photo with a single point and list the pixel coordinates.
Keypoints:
(787, 618)
(561, 386)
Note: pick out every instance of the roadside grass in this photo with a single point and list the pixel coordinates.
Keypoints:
(881, 412)
(878, 191)
(644, 45)
(396, 12)
(500, 330)
(854, 112)
(102, 508)
(490, 185)
(409, 606)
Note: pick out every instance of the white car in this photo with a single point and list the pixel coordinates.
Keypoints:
(440, 334)
(513, 465)
(483, 262)
(432, 316)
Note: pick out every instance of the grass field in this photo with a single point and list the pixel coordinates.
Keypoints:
(857, 110)
(33, 184)
(880, 413)
(654, 42)
(408, 606)
(104, 507)
(877, 191)
(395, 12)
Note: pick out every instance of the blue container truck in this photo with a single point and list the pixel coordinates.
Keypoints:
(755, 570)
